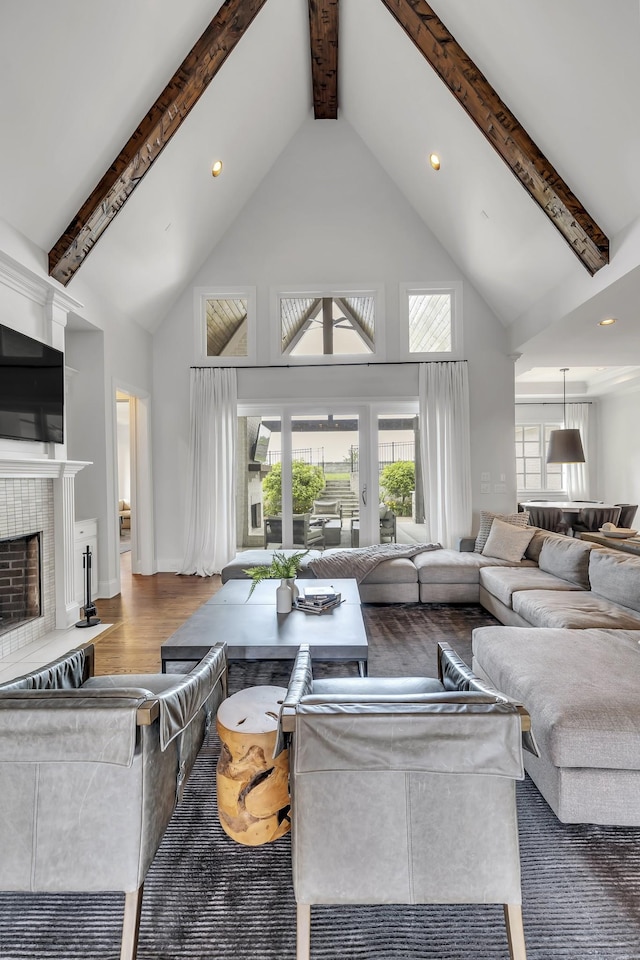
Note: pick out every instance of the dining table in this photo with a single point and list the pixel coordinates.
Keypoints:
(570, 508)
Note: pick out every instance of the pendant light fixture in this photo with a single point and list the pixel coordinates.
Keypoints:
(565, 446)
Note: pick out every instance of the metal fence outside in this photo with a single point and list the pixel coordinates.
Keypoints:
(389, 452)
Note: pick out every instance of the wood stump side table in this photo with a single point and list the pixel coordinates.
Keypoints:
(252, 785)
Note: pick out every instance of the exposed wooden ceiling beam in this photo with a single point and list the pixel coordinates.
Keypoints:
(323, 28)
(503, 131)
(154, 132)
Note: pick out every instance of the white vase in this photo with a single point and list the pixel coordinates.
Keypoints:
(294, 588)
(284, 597)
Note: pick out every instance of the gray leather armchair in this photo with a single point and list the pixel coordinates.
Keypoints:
(91, 769)
(403, 791)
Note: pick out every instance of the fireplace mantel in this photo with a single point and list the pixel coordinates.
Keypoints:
(16, 468)
(62, 473)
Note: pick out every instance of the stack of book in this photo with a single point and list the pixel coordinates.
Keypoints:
(317, 599)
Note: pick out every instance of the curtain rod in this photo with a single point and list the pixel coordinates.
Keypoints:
(547, 403)
(302, 366)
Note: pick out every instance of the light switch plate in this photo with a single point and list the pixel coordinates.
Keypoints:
(499, 488)
(485, 488)
(485, 477)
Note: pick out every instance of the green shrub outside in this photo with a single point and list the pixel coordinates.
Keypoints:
(397, 483)
(307, 483)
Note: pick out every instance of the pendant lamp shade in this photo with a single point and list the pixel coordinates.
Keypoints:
(565, 446)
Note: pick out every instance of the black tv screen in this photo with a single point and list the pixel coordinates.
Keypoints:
(31, 388)
(261, 446)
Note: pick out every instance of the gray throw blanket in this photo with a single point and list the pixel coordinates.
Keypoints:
(359, 561)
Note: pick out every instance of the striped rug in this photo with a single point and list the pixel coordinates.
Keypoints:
(208, 898)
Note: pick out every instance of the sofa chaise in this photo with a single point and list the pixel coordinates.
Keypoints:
(580, 688)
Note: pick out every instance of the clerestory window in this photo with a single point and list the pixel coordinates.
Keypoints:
(328, 324)
(225, 325)
(431, 319)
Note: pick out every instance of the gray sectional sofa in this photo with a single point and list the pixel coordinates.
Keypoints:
(561, 582)
(568, 650)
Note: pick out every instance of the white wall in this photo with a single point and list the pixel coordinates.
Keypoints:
(328, 214)
(619, 474)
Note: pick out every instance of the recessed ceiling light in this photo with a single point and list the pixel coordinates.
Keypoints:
(434, 160)
(216, 169)
(607, 321)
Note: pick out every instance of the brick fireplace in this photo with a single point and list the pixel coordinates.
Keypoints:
(19, 581)
(37, 500)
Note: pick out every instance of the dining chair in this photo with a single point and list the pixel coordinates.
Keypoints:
(403, 792)
(590, 519)
(627, 514)
(548, 518)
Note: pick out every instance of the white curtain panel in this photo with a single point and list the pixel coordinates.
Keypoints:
(211, 495)
(576, 475)
(446, 450)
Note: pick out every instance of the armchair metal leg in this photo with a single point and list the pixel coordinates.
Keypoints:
(131, 924)
(303, 931)
(515, 931)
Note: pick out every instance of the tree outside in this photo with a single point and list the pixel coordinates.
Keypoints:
(307, 483)
(397, 483)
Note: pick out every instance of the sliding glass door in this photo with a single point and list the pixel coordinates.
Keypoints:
(316, 477)
(401, 507)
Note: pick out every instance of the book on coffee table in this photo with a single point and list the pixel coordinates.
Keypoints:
(317, 599)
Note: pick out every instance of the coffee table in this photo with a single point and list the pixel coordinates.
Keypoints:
(254, 631)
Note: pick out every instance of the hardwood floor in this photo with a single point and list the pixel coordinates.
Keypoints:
(145, 614)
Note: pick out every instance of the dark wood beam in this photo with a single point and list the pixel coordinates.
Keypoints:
(323, 27)
(503, 131)
(153, 134)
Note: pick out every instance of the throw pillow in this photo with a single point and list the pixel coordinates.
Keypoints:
(506, 541)
(487, 518)
(325, 506)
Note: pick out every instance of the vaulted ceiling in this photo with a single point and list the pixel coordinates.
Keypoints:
(79, 78)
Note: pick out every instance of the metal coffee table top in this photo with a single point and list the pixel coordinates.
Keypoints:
(253, 630)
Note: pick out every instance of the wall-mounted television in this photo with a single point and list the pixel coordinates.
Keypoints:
(261, 446)
(31, 388)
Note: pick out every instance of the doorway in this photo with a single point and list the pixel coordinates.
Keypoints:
(132, 482)
(123, 440)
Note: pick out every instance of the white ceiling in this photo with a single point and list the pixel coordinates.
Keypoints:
(78, 77)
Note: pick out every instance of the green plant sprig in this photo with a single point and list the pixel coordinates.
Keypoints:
(282, 567)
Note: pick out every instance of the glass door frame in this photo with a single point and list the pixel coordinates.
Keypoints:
(368, 413)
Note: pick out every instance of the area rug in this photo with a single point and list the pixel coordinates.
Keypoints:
(208, 898)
